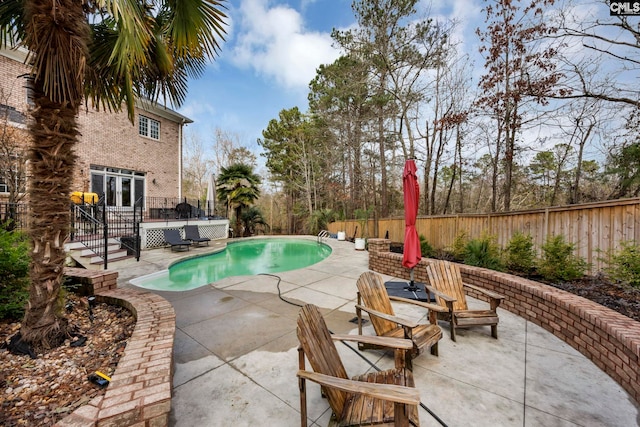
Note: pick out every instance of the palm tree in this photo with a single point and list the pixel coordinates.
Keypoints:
(109, 52)
(251, 219)
(238, 188)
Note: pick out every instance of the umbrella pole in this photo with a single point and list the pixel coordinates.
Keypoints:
(412, 287)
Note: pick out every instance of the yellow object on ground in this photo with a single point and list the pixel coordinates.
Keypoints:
(78, 196)
(100, 374)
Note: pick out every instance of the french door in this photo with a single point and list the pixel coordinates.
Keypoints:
(121, 187)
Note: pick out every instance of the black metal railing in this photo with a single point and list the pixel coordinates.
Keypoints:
(88, 228)
(168, 208)
(96, 225)
(13, 216)
(99, 227)
(127, 224)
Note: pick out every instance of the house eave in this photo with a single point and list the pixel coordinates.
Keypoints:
(162, 111)
(18, 53)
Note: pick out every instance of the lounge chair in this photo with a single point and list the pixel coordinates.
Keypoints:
(374, 299)
(172, 237)
(192, 233)
(390, 396)
(445, 282)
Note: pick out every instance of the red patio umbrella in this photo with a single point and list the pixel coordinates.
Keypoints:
(411, 189)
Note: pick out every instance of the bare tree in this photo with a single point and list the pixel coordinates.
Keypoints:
(610, 72)
(228, 149)
(197, 167)
(518, 69)
(14, 142)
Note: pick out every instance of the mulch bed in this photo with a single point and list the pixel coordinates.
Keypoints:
(622, 299)
(43, 390)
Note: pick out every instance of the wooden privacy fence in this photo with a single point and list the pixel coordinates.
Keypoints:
(594, 228)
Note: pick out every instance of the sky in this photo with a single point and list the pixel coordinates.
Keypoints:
(270, 55)
(272, 51)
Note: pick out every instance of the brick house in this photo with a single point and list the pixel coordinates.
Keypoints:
(121, 160)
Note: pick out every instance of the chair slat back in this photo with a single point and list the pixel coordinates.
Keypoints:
(191, 232)
(172, 235)
(445, 277)
(320, 350)
(374, 295)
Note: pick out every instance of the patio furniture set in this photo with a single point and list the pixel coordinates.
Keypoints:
(387, 397)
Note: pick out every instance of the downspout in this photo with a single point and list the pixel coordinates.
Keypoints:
(180, 159)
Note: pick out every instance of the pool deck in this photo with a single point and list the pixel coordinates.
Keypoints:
(235, 356)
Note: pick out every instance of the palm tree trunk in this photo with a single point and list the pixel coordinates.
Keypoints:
(52, 159)
(57, 34)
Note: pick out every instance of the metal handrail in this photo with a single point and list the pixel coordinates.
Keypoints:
(322, 234)
(95, 224)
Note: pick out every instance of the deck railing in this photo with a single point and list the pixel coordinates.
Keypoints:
(13, 216)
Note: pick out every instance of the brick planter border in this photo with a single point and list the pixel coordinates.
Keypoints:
(608, 338)
(140, 390)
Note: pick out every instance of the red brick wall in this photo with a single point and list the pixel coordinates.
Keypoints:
(609, 339)
(109, 139)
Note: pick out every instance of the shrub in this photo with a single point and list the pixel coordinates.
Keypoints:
(624, 264)
(558, 261)
(319, 220)
(458, 249)
(14, 270)
(483, 252)
(520, 255)
(426, 249)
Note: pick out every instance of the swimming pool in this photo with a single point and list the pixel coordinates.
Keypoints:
(246, 257)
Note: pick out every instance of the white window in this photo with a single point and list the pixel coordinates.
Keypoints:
(4, 188)
(148, 127)
(14, 174)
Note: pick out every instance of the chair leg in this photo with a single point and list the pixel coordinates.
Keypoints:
(303, 402)
(434, 349)
(453, 326)
(494, 331)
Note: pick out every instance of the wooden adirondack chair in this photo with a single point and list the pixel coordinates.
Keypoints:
(374, 299)
(386, 398)
(445, 282)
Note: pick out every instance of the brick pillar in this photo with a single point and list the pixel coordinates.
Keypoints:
(379, 245)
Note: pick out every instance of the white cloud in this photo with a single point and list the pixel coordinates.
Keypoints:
(274, 42)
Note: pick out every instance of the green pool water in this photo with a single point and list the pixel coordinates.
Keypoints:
(247, 257)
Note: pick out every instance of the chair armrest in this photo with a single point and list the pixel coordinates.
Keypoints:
(390, 318)
(437, 293)
(387, 392)
(396, 343)
(490, 294)
(429, 306)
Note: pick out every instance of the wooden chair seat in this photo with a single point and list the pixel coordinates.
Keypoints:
(422, 336)
(375, 411)
(445, 282)
(376, 302)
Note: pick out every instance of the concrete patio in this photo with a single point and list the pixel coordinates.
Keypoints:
(235, 354)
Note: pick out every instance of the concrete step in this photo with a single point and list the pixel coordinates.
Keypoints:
(88, 255)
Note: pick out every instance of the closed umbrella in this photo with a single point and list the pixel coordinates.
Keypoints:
(211, 195)
(411, 188)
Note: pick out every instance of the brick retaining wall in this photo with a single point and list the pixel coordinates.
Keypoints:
(608, 338)
(139, 393)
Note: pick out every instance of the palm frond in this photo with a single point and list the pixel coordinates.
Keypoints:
(57, 34)
(11, 22)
